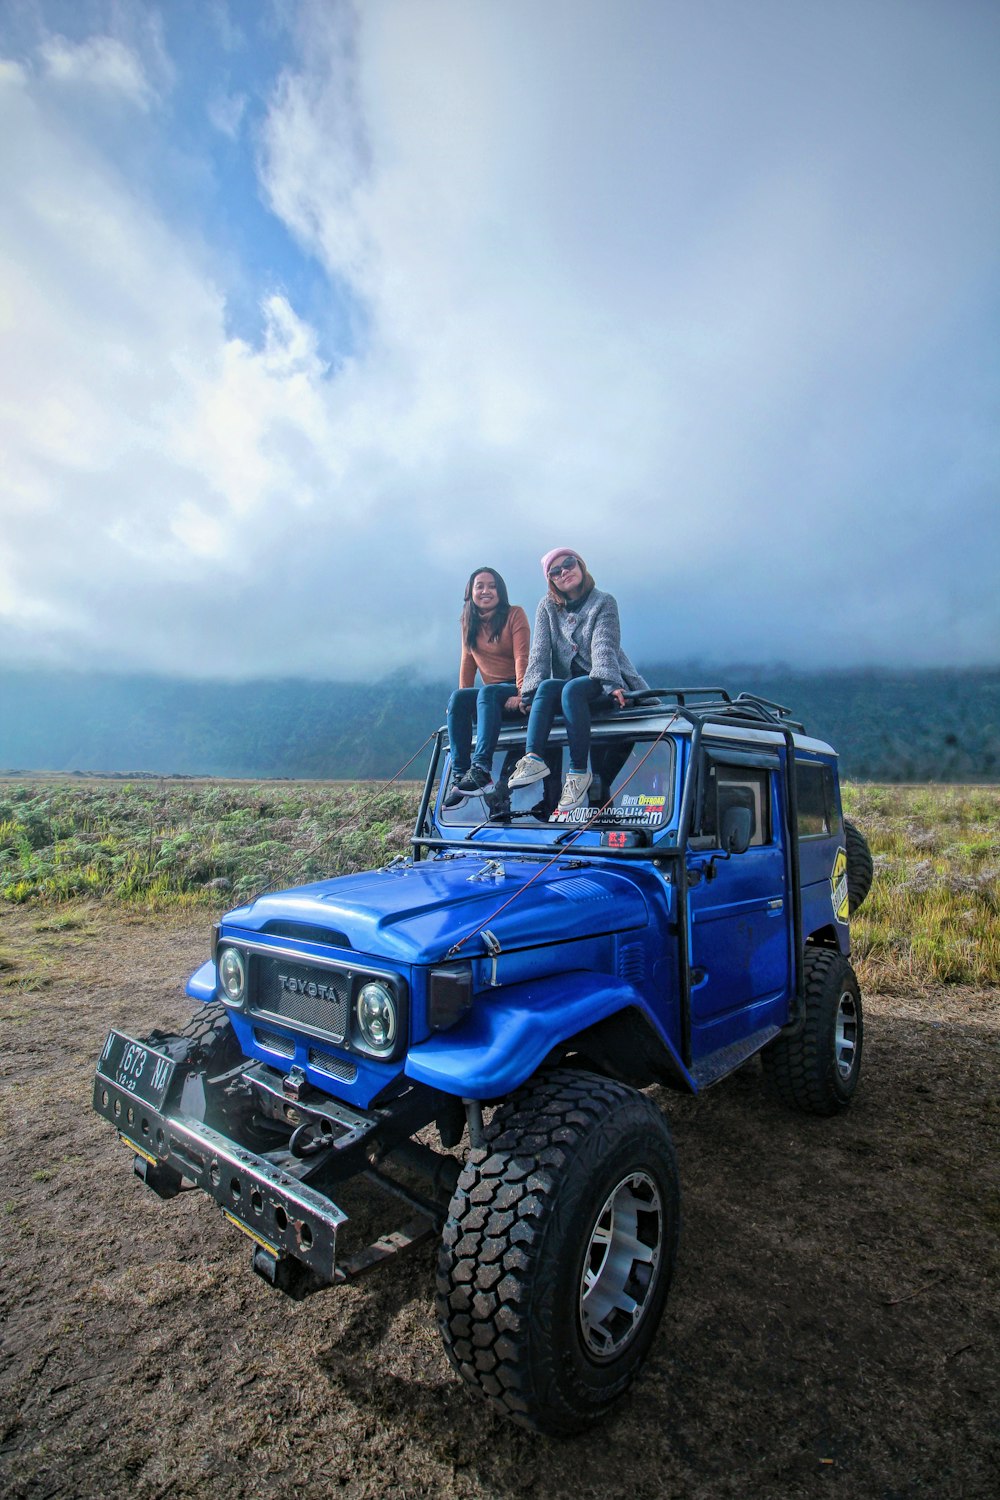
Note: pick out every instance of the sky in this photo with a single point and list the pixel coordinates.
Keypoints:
(307, 309)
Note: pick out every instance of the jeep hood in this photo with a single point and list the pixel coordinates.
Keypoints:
(415, 913)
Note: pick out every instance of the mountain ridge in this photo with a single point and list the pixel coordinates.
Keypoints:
(908, 725)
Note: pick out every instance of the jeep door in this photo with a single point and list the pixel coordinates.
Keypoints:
(738, 913)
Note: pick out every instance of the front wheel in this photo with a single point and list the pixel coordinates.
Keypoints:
(559, 1248)
(816, 1067)
(205, 1041)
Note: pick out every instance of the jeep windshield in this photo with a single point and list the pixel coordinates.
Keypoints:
(633, 786)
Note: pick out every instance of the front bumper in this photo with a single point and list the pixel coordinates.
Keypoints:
(283, 1216)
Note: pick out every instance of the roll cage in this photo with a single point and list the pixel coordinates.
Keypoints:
(689, 710)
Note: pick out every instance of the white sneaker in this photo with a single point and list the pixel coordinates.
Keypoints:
(574, 792)
(529, 768)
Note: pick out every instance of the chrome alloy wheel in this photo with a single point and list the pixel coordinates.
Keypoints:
(845, 1041)
(619, 1269)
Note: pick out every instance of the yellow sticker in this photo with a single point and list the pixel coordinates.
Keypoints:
(838, 887)
(257, 1239)
(139, 1151)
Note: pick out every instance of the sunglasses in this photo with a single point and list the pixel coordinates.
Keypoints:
(566, 566)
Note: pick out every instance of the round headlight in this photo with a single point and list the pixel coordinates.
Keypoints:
(232, 975)
(376, 1011)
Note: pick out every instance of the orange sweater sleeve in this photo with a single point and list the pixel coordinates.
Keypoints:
(521, 636)
(466, 667)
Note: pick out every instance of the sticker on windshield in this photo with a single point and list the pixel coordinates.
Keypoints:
(644, 808)
(644, 811)
(838, 887)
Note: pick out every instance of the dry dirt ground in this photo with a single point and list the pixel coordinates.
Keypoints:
(833, 1329)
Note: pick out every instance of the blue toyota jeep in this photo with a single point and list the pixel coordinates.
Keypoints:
(479, 1019)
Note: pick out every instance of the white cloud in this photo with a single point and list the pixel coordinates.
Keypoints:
(102, 63)
(226, 112)
(661, 290)
(645, 305)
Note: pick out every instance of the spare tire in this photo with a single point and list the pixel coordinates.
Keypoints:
(860, 867)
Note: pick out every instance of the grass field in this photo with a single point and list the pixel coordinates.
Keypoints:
(933, 914)
(186, 842)
(834, 1323)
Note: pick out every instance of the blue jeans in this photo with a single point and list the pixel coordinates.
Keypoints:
(488, 704)
(575, 697)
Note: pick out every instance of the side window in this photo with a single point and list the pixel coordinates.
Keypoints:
(740, 786)
(814, 792)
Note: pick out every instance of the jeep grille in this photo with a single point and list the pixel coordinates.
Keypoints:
(274, 1042)
(336, 1067)
(315, 997)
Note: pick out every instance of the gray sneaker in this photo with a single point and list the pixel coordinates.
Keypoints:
(530, 768)
(574, 792)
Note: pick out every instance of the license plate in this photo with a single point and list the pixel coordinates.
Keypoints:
(136, 1069)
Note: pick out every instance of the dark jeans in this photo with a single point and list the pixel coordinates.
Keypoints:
(487, 702)
(575, 698)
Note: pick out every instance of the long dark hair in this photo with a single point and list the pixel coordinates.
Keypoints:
(472, 620)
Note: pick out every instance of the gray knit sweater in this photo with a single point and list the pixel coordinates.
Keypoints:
(588, 634)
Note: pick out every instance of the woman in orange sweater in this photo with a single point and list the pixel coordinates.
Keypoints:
(495, 640)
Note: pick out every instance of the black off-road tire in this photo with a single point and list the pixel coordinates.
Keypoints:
(816, 1067)
(575, 1165)
(206, 1041)
(215, 1047)
(860, 867)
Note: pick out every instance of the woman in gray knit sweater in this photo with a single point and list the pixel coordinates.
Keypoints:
(576, 665)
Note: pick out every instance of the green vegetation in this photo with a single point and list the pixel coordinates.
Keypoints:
(934, 909)
(933, 914)
(160, 843)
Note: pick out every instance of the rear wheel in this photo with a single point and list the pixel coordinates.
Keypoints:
(860, 867)
(558, 1250)
(816, 1067)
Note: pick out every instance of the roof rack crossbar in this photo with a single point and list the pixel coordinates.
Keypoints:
(749, 708)
(776, 708)
(679, 695)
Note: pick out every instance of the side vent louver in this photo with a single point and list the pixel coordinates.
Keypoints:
(632, 962)
(580, 888)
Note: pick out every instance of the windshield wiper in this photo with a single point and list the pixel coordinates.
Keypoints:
(503, 822)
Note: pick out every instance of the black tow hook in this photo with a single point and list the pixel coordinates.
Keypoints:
(301, 1146)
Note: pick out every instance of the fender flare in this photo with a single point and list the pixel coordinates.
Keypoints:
(201, 985)
(512, 1030)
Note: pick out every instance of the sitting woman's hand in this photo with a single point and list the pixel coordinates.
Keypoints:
(618, 696)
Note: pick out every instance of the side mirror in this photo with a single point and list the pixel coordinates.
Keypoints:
(737, 826)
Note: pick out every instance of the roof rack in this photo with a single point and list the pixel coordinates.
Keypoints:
(718, 705)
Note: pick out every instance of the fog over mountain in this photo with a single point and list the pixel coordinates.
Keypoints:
(915, 726)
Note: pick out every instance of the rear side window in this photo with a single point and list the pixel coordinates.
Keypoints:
(814, 791)
(740, 786)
